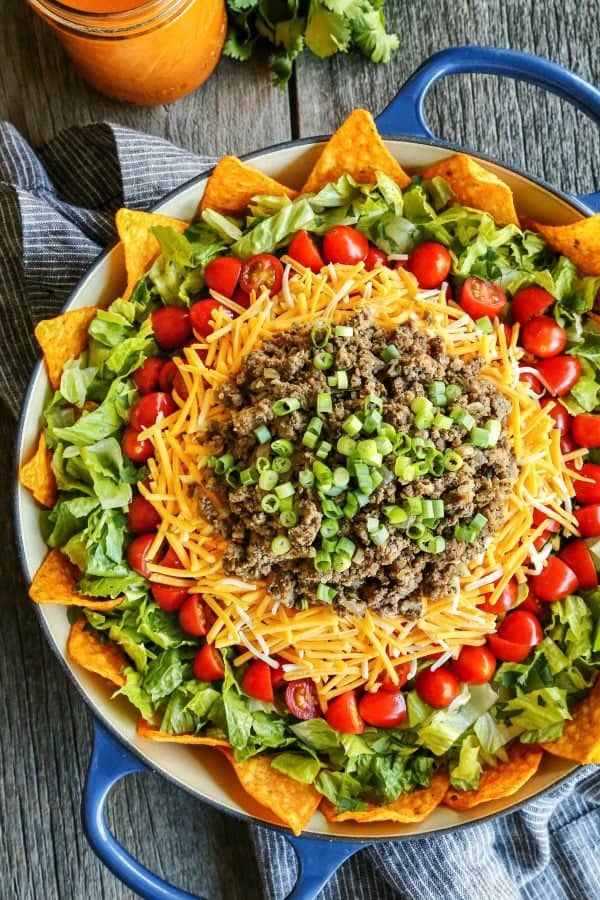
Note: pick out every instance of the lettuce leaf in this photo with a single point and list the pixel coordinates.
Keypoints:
(540, 714)
(464, 776)
(445, 726)
(301, 766)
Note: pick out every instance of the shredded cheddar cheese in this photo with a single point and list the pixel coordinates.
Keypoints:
(345, 652)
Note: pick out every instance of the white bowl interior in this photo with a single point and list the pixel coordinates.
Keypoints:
(204, 772)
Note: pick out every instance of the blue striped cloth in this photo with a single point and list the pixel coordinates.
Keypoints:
(57, 210)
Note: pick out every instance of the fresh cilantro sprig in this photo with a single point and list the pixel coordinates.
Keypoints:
(285, 28)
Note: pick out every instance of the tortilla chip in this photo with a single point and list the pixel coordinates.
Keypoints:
(37, 475)
(499, 782)
(580, 739)
(145, 730)
(580, 242)
(476, 187)
(233, 184)
(102, 657)
(356, 148)
(292, 802)
(140, 246)
(412, 807)
(63, 338)
(54, 582)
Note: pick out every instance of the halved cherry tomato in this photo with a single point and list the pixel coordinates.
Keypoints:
(180, 387)
(437, 687)
(588, 491)
(261, 271)
(558, 412)
(474, 665)
(384, 709)
(401, 671)
(507, 599)
(137, 553)
(168, 596)
(142, 517)
(555, 581)
(150, 408)
(146, 378)
(531, 381)
(241, 298)
(507, 333)
(586, 430)
(588, 519)
(507, 651)
(167, 376)
(552, 526)
(567, 445)
(533, 605)
(305, 251)
(222, 274)
(201, 316)
(278, 678)
(521, 627)
(301, 698)
(560, 373)
(195, 617)
(430, 263)
(257, 681)
(481, 298)
(136, 450)
(375, 257)
(208, 664)
(342, 713)
(170, 560)
(578, 558)
(543, 337)
(171, 327)
(344, 244)
(530, 302)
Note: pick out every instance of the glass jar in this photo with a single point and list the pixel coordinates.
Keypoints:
(142, 51)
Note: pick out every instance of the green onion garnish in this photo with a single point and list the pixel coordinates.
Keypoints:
(281, 447)
(288, 518)
(262, 463)
(268, 479)
(320, 334)
(485, 324)
(280, 545)
(367, 452)
(232, 477)
(352, 425)
(395, 514)
(331, 509)
(372, 421)
(372, 524)
(415, 531)
(341, 477)
(346, 445)
(324, 404)
(437, 393)
(442, 422)
(329, 528)
(322, 561)
(452, 461)
(346, 547)
(463, 418)
(453, 392)
(263, 435)
(249, 476)
(270, 503)
(341, 562)
(325, 593)
(306, 478)
(380, 536)
(285, 406)
(322, 473)
(281, 465)
(286, 489)
(343, 331)
(389, 353)
(323, 360)
(223, 464)
(324, 449)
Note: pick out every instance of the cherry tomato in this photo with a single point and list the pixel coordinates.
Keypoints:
(560, 415)
(374, 258)
(567, 444)
(170, 560)
(278, 678)
(168, 596)
(146, 378)
(552, 526)
(195, 617)
(578, 558)
(521, 627)
(167, 376)
(474, 665)
(588, 519)
(531, 381)
(533, 605)
(344, 244)
(222, 274)
(171, 327)
(149, 409)
(342, 713)
(560, 373)
(201, 315)
(555, 581)
(507, 651)
(257, 681)
(507, 333)
(241, 298)
(430, 264)
(136, 450)
(481, 298)
(180, 387)
(586, 430)
(530, 302)
(543, 337)
(137, 553)
(384, 709)
(402, 672)
(588, 491)
(507, 599)
(208, 664)
(261, 271)
(301, 698)
(305, 251)
(437, 687)
(142, 517)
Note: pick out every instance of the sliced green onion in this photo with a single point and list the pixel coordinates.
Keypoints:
(329, 528)
(324, 404)
(224, 463)
(352, 425)
(322, 473)
(263, 435)
(320, 334)
(433, 544)
(281, 465)
(414, 506)
(372, 401)
(270, 503)
(427, 509)
(280, 545)
(437, 393)
(395, 514)
(325, 593)
(480, 437)
(363, 499)
(341, 562)
(367, 452)
(328, 545)
(452, 461)
(372, 421)
(288, 518)
(322, 561)
(363, 477)
(453, 392)
(422, 406)
(404, 469)
(263, 463)
(249, 476)
(465, 533)
(478, 521)
(384, 445)
(389, 353)
(286, 503)
(346, 445)
(281, 447)
(438, 508)
(415, 531)
(485, 324)
(437, 463)
(494, 429)
(442, 422)
(346, 547)
(306, 478)
(313, 430)
(463, 418)
(341, 477)
(232, 477)
(324, 449)
(376, 478)
(380, 536)
(323, 360)
(285, 406)
(342, 379)
(343, 331)
(286, 489)
(372, 524)
(331, 509)
(268, 479)
(351, 507)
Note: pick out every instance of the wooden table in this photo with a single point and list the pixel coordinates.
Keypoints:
(45, 732)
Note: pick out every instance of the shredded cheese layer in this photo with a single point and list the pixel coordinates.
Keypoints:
(344, 652)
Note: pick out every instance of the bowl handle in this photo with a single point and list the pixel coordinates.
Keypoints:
(109, 763)
(405, 114)
(317, 862)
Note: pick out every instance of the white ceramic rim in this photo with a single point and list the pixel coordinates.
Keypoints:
(199, 771)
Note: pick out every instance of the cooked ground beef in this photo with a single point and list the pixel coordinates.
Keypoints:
(394, 576)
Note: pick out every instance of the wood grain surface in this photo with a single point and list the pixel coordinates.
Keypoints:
(45, 733)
